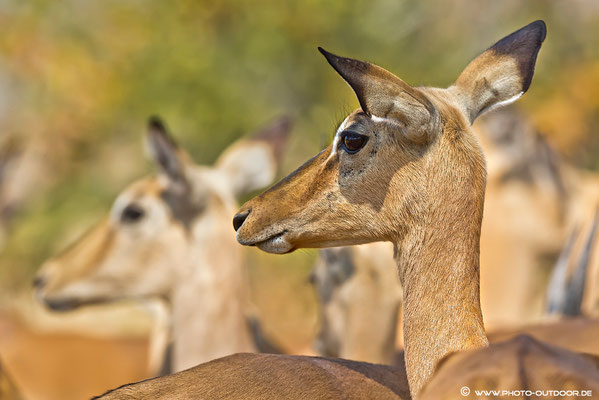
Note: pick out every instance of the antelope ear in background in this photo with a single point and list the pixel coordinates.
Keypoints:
(252, 163)
(164, 151)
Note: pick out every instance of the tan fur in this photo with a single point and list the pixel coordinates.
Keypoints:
(418, 181)
(181, 249)
(425, 196)
(8, 389)
(404, 191)
(66, 366)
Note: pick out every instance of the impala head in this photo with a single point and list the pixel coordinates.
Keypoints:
(139, 248)
(407, 158)
(517, 152)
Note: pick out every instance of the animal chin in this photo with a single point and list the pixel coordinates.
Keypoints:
(276, 244)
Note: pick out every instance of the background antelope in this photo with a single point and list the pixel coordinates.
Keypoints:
(533, 201)
(66, 364)
(359, 303)
(414, 146)
(168, 236)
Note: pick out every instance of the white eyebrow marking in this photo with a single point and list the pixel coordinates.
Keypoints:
(344, 125)
(337, 137)
(377, 119)
(387, 121)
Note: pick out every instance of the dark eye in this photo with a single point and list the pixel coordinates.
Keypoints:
(352, 142)
(132, 213)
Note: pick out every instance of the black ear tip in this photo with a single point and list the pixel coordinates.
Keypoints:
(539, 26)
(334, 60)
(326, 54)
(523, 44)
(156, 123)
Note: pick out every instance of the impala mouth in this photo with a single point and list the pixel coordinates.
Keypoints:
(276, 244)
(61, 305)
(65, 304)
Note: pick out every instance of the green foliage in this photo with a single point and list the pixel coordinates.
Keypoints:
(86, 75)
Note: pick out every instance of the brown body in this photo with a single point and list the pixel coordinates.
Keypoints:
(60, 365)
(522, 366)
(579, 334)
(265, 376)
(406, 168)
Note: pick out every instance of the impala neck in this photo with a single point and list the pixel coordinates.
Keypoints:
(438, 264)
(209, 303)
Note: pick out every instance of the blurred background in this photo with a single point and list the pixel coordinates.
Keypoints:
(79, 79)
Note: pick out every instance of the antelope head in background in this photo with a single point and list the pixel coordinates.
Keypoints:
(168, 235)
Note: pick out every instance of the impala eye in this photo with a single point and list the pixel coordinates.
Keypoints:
(353, 142)
(132, 213)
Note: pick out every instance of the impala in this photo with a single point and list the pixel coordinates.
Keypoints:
(522, 169)
(404, 168)
(168, 236)
(44, 363)
(533, 200)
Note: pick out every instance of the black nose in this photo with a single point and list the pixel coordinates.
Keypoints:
(38, 282)
(239, 219)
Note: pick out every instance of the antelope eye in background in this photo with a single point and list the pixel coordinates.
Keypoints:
(132, 213)
(353, 142)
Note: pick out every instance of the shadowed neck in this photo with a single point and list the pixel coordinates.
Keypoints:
(438, 263)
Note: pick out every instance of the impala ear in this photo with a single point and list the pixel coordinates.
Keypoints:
(501, 74)
(382, 94)
(164, 151)
(252, 163)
